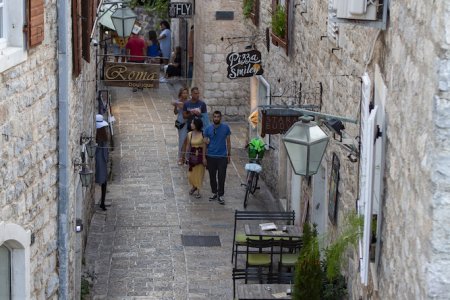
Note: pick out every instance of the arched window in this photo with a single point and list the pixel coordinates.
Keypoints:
(15, 251)
(5, 273)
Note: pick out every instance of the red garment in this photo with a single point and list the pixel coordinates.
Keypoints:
(136, 45)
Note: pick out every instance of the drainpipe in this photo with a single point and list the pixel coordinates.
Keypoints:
(63, 16)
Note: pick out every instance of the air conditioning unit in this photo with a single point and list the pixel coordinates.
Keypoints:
(356, 9)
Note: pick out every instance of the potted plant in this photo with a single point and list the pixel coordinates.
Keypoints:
(279, 26)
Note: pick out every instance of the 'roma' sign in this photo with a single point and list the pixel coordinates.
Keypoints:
(131, 75)
(244, 64)
(275, 121)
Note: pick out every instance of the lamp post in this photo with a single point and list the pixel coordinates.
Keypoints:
(123, 19)
(305, 143)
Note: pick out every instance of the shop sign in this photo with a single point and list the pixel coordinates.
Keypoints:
(244, 64)
(180, 10)
(276, 121)
(132, 75)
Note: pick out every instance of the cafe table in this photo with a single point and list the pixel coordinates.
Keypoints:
(263, 291)
(283, 231)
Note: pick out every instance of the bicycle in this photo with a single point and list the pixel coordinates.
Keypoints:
(253, 168)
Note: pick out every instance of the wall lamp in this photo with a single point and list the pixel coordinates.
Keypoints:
(338, 129)
(306, 142)
(86, 174)
(88, 144)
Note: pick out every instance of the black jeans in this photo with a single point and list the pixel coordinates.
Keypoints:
(217, 168)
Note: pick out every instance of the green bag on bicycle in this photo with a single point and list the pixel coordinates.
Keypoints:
(256, 147)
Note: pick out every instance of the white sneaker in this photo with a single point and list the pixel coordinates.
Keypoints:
(162, 80)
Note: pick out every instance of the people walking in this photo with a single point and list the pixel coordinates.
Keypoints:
(180, 122)
(153, 51)
(165, 41)
(196, 149)
(218, 152)
(136, 49)
(101, 156)
(194, 108)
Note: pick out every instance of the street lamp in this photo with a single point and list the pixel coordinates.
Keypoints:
(305, 143)
(123, 19)
(86, 174)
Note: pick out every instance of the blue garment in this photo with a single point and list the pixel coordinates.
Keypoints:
(153, 50)
(217, 146)
(101, 162)
(189, 105)
(164, 43)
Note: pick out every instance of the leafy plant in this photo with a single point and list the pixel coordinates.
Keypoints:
(279, 21)
(308, 272)
(348, 237)
(85, 286)
(159, 7)
(321, 279)
(247, 8)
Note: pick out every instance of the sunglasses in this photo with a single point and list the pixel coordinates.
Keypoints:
(215, 131)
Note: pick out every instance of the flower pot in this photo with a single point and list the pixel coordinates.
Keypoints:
(279, 42)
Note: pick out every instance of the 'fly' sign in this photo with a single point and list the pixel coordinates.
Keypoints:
(180, 10)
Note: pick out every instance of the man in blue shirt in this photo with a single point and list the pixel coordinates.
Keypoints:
(193, 108)
(217, 138)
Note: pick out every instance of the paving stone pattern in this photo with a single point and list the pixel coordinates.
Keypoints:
(134, 249)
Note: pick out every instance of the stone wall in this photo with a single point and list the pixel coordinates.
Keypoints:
(29, 153)
(210, 68)
(413, 58)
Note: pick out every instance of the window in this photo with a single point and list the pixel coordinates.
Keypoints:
(12, 45)
(2, 26)
(5, 273)
(280, 21)
(14, 262)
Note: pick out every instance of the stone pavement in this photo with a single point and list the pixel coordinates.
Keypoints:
(134, 249)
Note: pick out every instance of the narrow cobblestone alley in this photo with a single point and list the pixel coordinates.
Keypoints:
(135, 248)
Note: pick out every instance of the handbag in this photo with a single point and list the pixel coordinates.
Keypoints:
(195, 155)
(178, 124)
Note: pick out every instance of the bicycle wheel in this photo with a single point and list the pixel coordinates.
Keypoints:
(254, 185)
(248, 187)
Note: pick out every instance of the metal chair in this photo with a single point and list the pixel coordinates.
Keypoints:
(289, 252)
(259, 254)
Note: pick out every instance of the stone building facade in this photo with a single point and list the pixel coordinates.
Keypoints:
(405, 69)
(214, 38)
(30, 184)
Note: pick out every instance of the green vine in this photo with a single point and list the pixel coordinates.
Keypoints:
(247, 8)
(279, 21)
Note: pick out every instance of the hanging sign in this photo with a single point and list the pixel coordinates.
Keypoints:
(276, 121)
(244, 64)
(131, 75)
(180, 10)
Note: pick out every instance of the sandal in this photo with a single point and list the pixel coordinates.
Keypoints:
(197, 195)
(180, 162)
(192, 191)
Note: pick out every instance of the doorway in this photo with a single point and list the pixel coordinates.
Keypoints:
(319, 207)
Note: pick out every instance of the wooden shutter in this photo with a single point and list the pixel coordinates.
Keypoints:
(76, 40)
(86, 25)
(35, 22)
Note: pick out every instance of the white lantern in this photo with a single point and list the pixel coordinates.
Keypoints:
(305, 143)
(123, 19)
